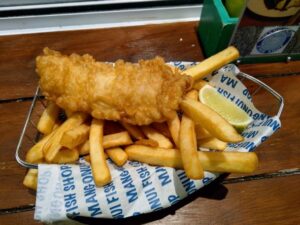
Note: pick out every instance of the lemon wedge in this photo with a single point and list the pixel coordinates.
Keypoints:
(209, 96)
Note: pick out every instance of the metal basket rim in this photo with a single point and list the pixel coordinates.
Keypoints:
(36, 96)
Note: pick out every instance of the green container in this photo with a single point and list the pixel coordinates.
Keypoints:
(216, 27)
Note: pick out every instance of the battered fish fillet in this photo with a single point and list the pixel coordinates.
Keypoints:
(141, 93)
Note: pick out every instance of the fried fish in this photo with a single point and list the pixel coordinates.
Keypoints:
(136, 93)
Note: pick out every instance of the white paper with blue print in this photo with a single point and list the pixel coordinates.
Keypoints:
(138, 188)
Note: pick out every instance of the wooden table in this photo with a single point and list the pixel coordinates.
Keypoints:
(269, 196)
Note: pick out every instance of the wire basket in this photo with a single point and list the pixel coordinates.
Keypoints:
(30, 135)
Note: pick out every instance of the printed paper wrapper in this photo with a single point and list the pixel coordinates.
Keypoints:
(138, 188)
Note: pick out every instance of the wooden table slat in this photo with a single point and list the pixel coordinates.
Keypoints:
(244, 203)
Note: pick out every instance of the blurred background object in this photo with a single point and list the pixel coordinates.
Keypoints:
(37, 7)
(262, 30)
(216, 26)
(35, 16)
(235, 7)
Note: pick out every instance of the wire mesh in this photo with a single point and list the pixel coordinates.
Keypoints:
(31, 135)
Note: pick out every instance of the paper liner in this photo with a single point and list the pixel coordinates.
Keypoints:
(138, 188)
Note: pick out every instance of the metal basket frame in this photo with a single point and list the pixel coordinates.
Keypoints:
(37, 97)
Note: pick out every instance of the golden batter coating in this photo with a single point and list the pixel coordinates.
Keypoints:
(137, 93)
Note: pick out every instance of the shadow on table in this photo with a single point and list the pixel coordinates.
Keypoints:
(214, 190)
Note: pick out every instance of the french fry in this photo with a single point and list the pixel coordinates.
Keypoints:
(56, 125)
(88, 157)
(188, 149)
(84, 149)
(174, 127)
(75, 136)
(230, 162)
(48, 118)
(109, 141)
(66, 155)
(53, 145)
(155, 156)
(151, 133)
(100, 168)
(35, 153)
(200, 84)
(212, 143)
(133, 130)
(117, 139)
(162, 128)
(188, 144)
(201, 133)
(216, 125)
(30, 180)
(212, 63)
(147, 142)
(193, 94)
(117, 155)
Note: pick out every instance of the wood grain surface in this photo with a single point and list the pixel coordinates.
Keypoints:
(264, 201)
(256, 202)
(177, 41)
